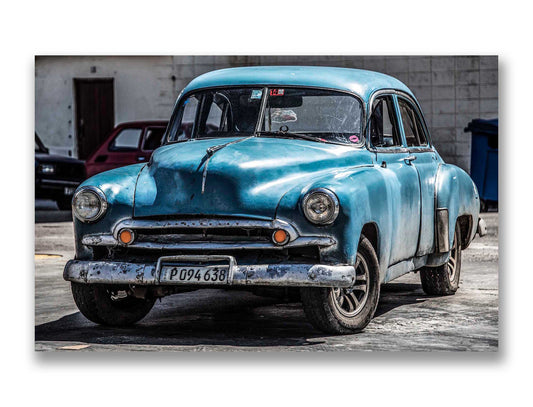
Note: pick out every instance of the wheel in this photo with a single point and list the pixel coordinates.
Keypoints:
(109, 305)
(444, 280)
(346, 310)
(64, 203)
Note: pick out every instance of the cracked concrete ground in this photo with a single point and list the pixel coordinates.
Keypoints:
(216, 320)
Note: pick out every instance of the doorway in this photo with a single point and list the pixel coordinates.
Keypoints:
(95, 113)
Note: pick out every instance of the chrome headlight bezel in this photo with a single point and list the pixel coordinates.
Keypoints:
(334, 201)
(101, 198)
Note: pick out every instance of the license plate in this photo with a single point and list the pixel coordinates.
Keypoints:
(178, 274)
(69, 190)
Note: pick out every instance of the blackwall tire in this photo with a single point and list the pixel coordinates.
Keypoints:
(346, 311)
(98, 304)
(444, 280)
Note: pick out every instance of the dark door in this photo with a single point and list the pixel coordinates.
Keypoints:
(95, 115)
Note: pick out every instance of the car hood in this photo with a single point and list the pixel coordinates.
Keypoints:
(246, 178)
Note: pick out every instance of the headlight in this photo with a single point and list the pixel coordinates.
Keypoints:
(320, 206)
(89, 204)
(47, 169)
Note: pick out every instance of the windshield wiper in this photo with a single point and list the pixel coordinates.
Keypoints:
(209, 152)
(289, 134)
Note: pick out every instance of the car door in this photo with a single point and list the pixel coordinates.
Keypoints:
(401, 178)
(424, 159)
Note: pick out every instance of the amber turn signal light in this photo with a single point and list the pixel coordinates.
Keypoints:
(125, 236)
(280, 237)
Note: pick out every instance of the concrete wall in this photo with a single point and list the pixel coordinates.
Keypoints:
(143, 90)
(452, 90)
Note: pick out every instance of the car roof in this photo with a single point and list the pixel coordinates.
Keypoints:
(358, 81)
(143, 123)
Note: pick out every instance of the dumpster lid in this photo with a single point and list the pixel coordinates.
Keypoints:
(487, 126)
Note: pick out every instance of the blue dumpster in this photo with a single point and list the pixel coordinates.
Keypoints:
(484, 159)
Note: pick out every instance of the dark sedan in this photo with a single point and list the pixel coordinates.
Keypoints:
(56, 177)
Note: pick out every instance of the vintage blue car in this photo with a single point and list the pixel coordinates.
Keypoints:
(319, 180)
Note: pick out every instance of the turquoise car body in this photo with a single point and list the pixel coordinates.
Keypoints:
(407, 201)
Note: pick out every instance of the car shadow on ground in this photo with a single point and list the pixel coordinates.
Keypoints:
(247, 321)
(394, 295)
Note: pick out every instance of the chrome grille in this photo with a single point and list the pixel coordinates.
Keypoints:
(205, 235)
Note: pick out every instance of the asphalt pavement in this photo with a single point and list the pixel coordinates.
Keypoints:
(218, 320)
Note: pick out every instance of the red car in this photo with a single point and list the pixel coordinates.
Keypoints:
(129, 143)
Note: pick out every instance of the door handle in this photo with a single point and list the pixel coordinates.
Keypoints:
(141, 158)
(409, 159)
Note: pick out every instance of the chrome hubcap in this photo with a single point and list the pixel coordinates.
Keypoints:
(350, 301)
(452, 262)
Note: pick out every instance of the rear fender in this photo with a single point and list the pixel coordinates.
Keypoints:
(455, 196)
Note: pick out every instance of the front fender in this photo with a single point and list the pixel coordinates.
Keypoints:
(118, 186)
(456, 193)
(362, 196)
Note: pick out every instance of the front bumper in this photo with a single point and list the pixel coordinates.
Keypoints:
(149, 274)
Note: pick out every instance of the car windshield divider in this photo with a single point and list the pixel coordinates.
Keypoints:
(262, 110)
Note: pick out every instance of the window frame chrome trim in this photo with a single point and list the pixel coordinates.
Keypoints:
(392, 149)
(418, 112)
(398, 93)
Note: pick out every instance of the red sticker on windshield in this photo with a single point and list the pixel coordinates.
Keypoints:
(354, 139)
(277, 92)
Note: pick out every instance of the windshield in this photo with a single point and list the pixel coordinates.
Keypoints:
(320, 115)
(217, 113)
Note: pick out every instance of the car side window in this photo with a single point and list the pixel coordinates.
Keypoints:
(217, 115)
(383, 124)
(185, 126)
(153, 138)
(412, 126)
(126, 140)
